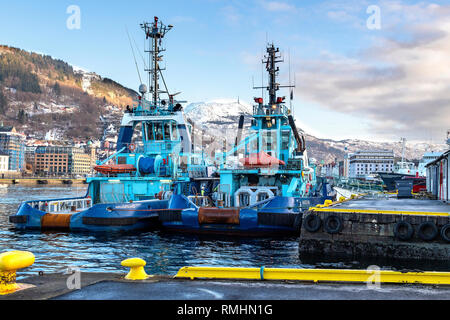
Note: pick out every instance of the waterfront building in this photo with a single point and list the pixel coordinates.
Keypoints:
(346, 164)
(58, 160)
(438, 177)
(82, 162)
(4, 162)
(13, 143)
(365, 162)
(426, 159)
(30, 152)
(333, 169)
(52, 160)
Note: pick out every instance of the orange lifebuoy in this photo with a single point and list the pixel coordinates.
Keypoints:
(132, 147)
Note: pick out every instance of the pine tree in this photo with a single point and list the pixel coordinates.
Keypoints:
(3, 103)
(21, 116)
(57, 89)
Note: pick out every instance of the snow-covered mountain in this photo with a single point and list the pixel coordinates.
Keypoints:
(40, 94)
(219, 118)
(220, 111)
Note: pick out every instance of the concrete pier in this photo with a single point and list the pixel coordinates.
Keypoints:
(106, 286)
(389, 228)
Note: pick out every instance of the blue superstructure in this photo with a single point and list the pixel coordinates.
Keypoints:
(153, 159)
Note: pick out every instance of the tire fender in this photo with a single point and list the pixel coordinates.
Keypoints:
(407, 234)
(312, 222)
(333, 224)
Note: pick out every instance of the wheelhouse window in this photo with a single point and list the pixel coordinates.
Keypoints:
(269, 142)
(285, 139)
(167, 131)
(158, 131)
(150, 133)
(174, 131)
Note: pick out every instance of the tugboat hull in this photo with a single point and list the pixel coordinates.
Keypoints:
(278, 216)
(98, 218)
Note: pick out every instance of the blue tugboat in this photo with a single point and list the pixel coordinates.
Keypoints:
(270, 187)
(134, 185)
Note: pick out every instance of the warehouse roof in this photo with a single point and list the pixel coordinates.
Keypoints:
(444, 155)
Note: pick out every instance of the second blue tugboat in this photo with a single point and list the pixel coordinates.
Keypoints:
(270, 187)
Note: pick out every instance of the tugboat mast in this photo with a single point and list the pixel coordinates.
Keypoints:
(270, 60)
(155, 31)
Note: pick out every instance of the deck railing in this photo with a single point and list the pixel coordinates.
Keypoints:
(62, 205)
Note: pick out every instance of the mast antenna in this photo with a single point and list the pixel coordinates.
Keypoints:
(154, 32)
(290, 93)
(134, 57)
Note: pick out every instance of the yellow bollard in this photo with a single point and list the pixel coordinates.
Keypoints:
(328, 203)
(341, 199)
(10, 262)
(136, 266)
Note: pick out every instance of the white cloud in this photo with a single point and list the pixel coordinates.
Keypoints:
(401, 87)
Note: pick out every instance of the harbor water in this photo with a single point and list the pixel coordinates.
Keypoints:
(164, 252)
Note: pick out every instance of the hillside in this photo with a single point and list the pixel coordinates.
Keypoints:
(39, 94)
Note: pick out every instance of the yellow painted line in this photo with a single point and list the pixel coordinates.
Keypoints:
(315, 275)
(421, 213)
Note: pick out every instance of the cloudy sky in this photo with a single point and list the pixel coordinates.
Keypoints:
(376, 70)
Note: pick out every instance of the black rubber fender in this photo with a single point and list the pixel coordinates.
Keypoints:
(405, 235)
(312, 222)
(445, 232)
(427, 231)
(333, 224)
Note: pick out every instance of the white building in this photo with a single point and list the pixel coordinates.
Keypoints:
(346, 172)
(4, 162)
(426, 159)
(365, 162)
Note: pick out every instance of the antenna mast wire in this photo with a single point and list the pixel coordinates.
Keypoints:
(134, 56)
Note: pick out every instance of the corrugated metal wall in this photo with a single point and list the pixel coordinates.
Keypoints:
(438, 181)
